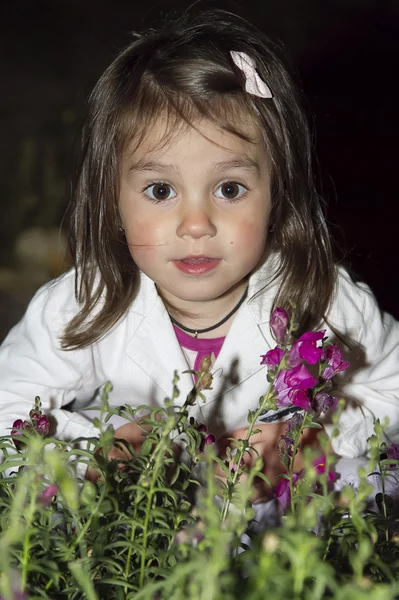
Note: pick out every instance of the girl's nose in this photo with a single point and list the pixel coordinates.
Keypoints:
(196, 224)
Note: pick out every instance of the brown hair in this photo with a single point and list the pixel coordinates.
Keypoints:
(185, 71)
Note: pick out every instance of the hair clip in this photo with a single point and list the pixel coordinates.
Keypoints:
(253, 83)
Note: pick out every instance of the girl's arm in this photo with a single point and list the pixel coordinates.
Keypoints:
(371, 384)
(32, 364)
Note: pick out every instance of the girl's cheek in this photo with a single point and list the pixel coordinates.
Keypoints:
(252, 234)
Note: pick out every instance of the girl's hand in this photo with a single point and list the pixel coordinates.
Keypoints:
(134, 433)
(265, 446)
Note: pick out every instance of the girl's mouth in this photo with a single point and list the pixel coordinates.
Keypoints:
(196, 260)
(196, 265)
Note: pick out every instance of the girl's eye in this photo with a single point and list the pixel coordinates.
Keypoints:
(159, 192)
(231, 190)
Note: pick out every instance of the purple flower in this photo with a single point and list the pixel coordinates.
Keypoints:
(17, 425)
(43, 426)
(305, 348)
(335, 361)
(210, 439)
(295, 423)
(35, 415)
(18, 428)
(273, 358)
(279, 324)
(393, 452)
(282, 491)
(289, 381)
(324, 403)
(320, 464)
(240, 466)
(47, 494)
(207, 438)
(285, 446)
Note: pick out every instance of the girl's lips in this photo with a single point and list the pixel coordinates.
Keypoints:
(196, 265)
(195, 260)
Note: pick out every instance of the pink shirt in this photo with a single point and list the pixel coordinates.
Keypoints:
(197, 349)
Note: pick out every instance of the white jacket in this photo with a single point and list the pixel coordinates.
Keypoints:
(140, 354)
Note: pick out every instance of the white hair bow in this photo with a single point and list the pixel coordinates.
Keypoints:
(253, 83)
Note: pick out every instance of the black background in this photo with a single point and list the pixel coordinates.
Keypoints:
(346, 54)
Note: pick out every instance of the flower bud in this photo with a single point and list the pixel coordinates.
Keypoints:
(89, 493)
(206, 381)
(35, 414)
(206, 363)
(279, 324)
(43, 426)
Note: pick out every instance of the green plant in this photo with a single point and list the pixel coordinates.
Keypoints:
(160, 524)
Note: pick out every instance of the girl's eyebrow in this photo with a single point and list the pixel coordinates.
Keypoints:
(241, 161)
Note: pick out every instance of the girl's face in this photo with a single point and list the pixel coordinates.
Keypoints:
(196, 211)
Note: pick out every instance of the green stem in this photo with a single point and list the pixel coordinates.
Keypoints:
(240, 453)
(86, 526)
(159, 456)
(292, 463)
(384, 506)
(26, 545)
(154, 466)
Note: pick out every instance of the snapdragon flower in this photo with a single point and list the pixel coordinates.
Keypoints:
(306, 348)
(291, 386)
(335, 360)
(279, 322)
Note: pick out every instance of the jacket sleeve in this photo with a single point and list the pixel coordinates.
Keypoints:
(32, 364)
(371, 384)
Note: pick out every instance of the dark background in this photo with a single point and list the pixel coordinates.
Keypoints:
(347, 57)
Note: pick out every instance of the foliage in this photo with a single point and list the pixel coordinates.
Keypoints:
(161, 524)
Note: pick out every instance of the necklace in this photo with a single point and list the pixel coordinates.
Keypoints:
(197, 331)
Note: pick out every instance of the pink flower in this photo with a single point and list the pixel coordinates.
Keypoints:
(289, 381)
(282, 491)
(273, 358)
(47, 494)
(300, 398)
(320, 464)
(279, 324)
(305, 348)
(335, 360)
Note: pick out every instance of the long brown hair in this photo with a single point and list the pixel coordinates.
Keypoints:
(185, 71)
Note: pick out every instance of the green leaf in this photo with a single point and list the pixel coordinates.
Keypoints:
(313, 425)
(83, 579)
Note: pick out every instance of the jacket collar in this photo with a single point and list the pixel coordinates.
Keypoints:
(153, 345)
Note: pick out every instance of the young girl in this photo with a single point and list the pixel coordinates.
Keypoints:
(194, 214)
